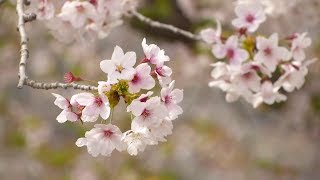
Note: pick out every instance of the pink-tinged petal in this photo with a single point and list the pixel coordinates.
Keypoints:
(208, 35)
(127, 74)
(177, 95)
(136, 107)
(61, 102)
(274, 39)
(117, 54)
(104, 111)
(83, 99)
(232, 41)
(219, 51)
(72, 116)
(129, 60)
(62, 117)
(143, 69)
(107, 66)
(299, 55)
(148, 83)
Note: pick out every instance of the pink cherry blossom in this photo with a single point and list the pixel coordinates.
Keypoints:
(65, 105)
(94, 106)
(299, 43)
(44, 9)
(141, 79)
(294, 76)
(269, 94)
(120, 66)
(150, 113)
(231, 51)
(249, 16)
(154, 54)
(102, 139)
(210, 35)
(78, 13)
(270, 54)
(170, 98)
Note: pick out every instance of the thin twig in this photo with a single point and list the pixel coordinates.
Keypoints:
(47, 86)
(160, 25)
(23, 78)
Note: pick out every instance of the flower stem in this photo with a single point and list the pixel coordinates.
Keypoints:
(111, 115)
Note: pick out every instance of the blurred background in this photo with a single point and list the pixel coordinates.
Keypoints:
(211, 140)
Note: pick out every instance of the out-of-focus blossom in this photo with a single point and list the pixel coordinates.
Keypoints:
(249, 16)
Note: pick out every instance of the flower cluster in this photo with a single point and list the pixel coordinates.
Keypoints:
(257, 68)
(81, 18)
(151, 116)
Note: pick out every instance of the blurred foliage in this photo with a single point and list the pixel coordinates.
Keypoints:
(15, 139)
(58, 158)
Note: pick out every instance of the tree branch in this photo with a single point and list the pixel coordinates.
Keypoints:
(55, 85)
(168, 27)
(24, 55)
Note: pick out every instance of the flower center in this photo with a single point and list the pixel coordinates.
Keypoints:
(159, 70)
(107, 133)
(167, 99)
(268, 51)
(230, 53)
(119, 68)
(144, 99)
(250, 18)
(146, 113)
(135, 79)
(98, 101)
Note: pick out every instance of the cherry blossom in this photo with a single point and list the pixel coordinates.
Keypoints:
(249, 16)
(210, 35)
(154, 54)
(171, 97)
(120, 66)
(94, 106)
(141, 79)
(78, 13)
(269, 53)
(269, 94)
(150, 113)
(231, 51)
(44, 9)
(65, 105)
(159, 132)
(299, 43)
(137, 139)
(102, 139)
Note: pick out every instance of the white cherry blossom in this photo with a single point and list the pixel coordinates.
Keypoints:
(94, 106)
(299, 43)
(269, 94)
(66, 107)
(43, 8)
(141, 79)
(137, 139)
(102, 139)
(170, 98)
(249, 16)
(269, 52)
(231, 51)
(154, 54)
(210, 35)
(120, 66)
(150, 113)
(162, 130)
(78, 13)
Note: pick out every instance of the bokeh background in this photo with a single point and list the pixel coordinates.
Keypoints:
(211, 140)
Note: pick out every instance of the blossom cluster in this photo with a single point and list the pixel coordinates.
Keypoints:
(260, 69)
(81, 18)
(151, 116)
